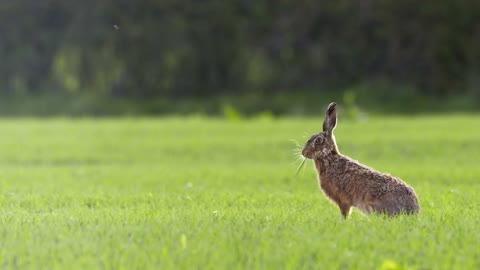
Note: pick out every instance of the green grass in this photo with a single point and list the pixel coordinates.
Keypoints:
(195, 193)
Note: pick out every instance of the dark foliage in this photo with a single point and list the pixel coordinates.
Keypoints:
(192, 48)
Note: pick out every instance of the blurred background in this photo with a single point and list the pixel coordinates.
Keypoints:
(284, 57)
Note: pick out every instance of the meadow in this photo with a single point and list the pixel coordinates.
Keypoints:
(207, 193)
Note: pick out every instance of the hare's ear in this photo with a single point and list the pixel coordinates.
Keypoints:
(330, 120)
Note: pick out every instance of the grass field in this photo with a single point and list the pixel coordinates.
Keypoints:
(196, 193)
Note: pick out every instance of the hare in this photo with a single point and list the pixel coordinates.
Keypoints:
(348, 183)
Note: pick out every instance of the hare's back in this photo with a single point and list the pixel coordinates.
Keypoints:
(376, 182)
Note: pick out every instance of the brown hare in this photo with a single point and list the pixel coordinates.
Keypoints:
(349, 183)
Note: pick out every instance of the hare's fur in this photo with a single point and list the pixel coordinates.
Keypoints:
(349, 183)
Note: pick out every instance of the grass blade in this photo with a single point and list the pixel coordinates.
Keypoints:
(300, 166)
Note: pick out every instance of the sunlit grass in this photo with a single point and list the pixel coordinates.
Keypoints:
(196, 193)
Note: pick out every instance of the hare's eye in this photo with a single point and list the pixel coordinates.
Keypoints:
(318, 140)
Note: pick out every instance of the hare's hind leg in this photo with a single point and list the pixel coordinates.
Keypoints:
(387, 206)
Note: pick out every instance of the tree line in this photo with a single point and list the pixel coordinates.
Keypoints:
(190, 48)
